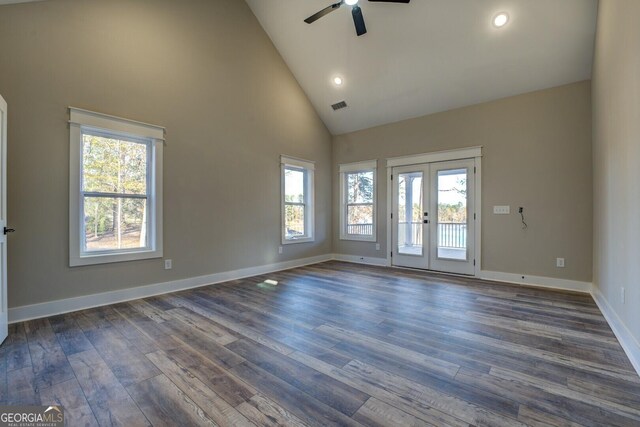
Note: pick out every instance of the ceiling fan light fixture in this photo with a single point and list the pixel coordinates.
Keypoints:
(338, 81)
(500, 20)
(356, 12)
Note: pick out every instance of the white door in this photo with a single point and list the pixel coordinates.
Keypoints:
(4, 324)
(453, 221)
(410, 218)
(433, 218)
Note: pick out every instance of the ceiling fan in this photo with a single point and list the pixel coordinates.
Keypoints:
(358, 19)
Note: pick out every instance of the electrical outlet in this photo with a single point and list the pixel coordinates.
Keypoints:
(377, 246)
(560, 262)
(168, 264)
(502, 210)
(280, 250)
(622, 295)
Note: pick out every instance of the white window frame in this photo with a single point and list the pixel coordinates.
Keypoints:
(83, 120)
(367, 166)
(309, 195)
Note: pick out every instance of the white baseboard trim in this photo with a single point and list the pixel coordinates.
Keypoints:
(52, 308)
(629, 344)
(361, 259)
(496, 276)
(544, 282)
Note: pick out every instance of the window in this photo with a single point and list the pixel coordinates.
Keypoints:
(297, 200)
(358, 201)
(115, 211)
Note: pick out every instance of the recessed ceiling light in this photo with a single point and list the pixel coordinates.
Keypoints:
(501, 19)
(351, 2)
(338, 81)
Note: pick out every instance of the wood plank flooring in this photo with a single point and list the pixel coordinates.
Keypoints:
(331, 344)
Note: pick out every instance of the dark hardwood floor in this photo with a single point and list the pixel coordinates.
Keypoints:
(331, 344)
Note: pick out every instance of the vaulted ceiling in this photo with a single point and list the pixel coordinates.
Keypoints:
(429, 55)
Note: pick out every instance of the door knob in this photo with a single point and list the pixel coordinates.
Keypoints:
(9, 230)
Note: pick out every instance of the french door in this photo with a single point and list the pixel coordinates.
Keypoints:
(433, 218)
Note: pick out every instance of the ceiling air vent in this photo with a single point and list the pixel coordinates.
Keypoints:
(339, 105)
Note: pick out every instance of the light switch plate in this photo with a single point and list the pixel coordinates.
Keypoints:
(502, 210)
(560, 262)
(168, 264)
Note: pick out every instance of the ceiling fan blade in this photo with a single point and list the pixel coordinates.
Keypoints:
(391, 1)
(327, 10)
(358, 20)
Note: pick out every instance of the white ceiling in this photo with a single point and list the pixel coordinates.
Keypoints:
(430, 55)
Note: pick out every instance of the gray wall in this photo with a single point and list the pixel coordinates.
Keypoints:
(616, 137)
(207, 71)
(204, 69)
(537, 154)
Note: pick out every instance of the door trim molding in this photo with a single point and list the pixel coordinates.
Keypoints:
(477, 252)
(4, 285)
(389, 211)
(437, 156)
(440, 156)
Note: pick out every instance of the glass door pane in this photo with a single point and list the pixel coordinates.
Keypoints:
(452, 226)
(410, 212)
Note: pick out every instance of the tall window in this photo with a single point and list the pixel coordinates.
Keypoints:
(116, 171)
(358, 201)
(297, 200)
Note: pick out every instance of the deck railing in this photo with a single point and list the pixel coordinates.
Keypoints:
(450, 234)
(360, 229)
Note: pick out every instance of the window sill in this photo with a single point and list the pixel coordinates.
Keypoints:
(77, 261)
(370, 239)
(301, 240)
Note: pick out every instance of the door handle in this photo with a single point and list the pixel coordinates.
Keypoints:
(426, 221)
(9, 230)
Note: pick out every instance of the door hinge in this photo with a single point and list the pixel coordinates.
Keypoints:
(474, 217)
(391, 254)
(391, 215)
(391, 177)
(474, 169)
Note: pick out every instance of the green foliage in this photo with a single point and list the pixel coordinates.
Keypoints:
(452, 213)
(294, 187)
(360, 187)
(360, 191)
(294, 219)
(113, 166)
